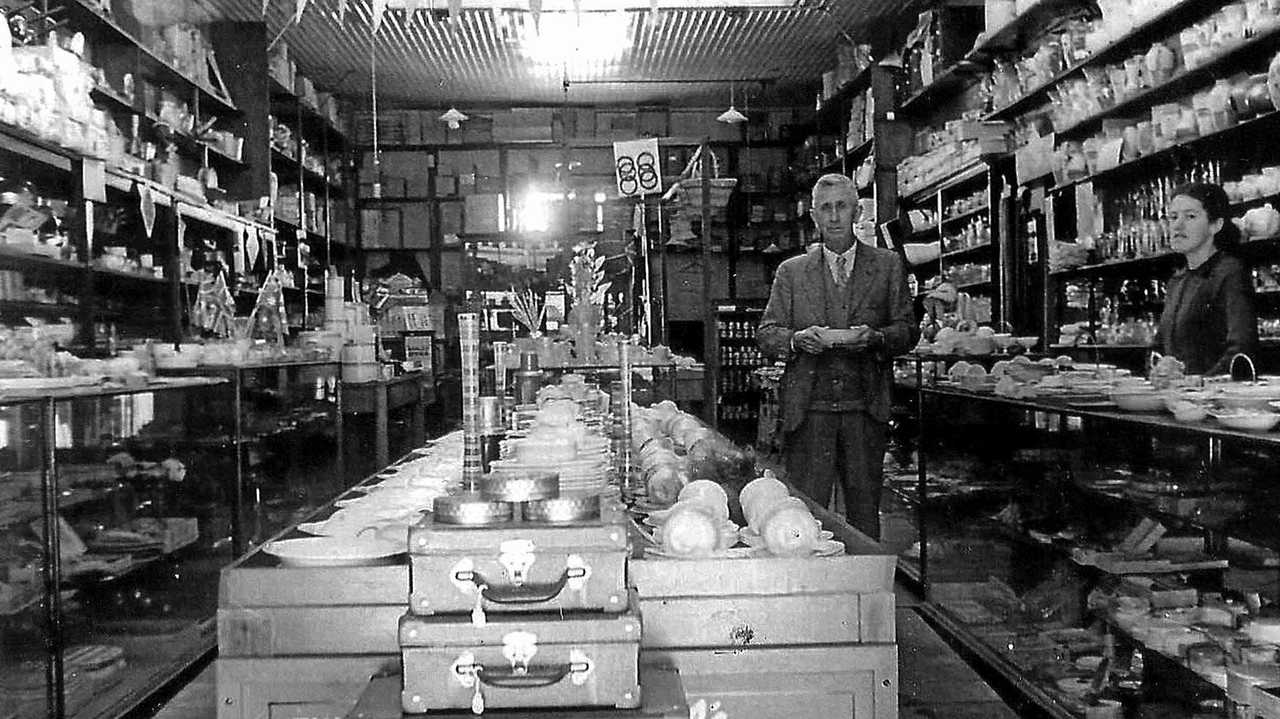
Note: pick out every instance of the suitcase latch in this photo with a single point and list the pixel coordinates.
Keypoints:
(519, 648)
(516, 556)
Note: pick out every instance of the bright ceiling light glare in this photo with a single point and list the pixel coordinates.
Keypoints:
(576, 38)
(600, 197)
(536, 210)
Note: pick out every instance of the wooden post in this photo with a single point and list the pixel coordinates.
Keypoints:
(711, 375)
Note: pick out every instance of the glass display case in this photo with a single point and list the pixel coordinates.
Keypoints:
(287, 424)
(1091, 555)
(118, 516)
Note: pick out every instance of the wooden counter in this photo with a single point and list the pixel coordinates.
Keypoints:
(381, 397)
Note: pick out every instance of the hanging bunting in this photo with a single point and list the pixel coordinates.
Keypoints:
(147, 205)
(342, 11)
(379, 7)
(298, 8)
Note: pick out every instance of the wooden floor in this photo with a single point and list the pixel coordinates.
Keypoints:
(934, 682)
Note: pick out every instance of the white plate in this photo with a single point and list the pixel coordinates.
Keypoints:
(731, 553)
(332, 551)
(27, 383)
(752, 539)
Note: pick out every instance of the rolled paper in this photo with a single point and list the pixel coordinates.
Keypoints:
(472, 450)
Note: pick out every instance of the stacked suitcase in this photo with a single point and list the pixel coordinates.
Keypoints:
(518, 598)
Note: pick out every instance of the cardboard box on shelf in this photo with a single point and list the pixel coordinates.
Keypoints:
(417, 226)
(522, 125)
(485, 214)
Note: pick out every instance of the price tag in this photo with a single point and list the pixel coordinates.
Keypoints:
(93, 180)
(1109, 153)
(636, 168)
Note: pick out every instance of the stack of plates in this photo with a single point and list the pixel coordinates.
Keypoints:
(577, 475)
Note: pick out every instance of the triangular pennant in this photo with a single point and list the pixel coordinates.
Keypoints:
(147, 205)
(342, 10)
(455, 11)
(496, 8)
(379, 7)
(298, 8)
(535, 12)
(265, 3)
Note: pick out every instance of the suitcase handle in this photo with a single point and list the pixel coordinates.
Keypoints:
(537, 675)
(525, 593)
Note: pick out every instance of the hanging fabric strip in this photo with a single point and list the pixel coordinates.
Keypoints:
(147, 205)
(265, 3)
(342, 10)
(455, 11)
(298, 8)
(379, 7)
(535, 12)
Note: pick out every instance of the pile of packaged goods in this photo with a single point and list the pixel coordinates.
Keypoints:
(44, 89)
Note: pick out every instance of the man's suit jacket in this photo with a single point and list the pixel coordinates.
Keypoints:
(880, 299)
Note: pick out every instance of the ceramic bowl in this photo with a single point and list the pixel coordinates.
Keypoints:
(1248, 421)
(1138, 400)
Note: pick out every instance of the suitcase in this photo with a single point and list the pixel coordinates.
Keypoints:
(664, 698)
(519, 566)
(520, 661)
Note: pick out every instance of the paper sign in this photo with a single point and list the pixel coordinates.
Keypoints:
(1035, 159)
(147, 205)
(1085, 208)
(636, 168)
(93, 180)
(1109, 154)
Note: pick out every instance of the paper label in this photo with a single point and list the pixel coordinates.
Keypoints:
(637, 170)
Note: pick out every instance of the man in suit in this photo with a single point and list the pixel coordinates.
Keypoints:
(838, 315)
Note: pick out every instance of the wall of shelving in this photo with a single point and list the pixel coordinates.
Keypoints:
(177, 118)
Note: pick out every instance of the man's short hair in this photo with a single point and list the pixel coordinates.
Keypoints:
(834, 179)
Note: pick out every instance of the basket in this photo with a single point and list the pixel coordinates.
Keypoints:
(686, 193)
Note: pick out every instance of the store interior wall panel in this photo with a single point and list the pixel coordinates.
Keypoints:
(859, 681)
(295, 686)
(762, 620)
(309, 631)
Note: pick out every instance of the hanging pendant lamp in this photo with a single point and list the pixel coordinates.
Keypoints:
(731, 116)
(454, 118)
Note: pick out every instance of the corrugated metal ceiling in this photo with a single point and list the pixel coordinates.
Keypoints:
(679, 56)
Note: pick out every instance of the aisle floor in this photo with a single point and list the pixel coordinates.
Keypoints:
(933, 681)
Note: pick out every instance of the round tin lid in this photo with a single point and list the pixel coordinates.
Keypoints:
(574, 507)
(520, 486)
(470, 508)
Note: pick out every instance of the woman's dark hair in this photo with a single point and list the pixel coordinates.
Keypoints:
(1216, 205)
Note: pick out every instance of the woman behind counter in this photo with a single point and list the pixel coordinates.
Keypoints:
(1208, 312)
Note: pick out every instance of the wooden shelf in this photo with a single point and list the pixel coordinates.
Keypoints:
(1013, 34)
(972, 286)
(828, 111)
(962, 175)
(38, 308)
(17, 141)
(152, 65)
(290, 110)
(1178, 85)
(952, 221)
(12, 256)
(1116, 266)
(952, 79)
(290, 171)
(1140, 36)
(974, 251)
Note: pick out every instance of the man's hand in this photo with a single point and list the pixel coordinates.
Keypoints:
(853, 338)
(811, 340)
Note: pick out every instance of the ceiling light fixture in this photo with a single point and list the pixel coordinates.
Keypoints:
(551, 6)
(454, 118)
(731, 116)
